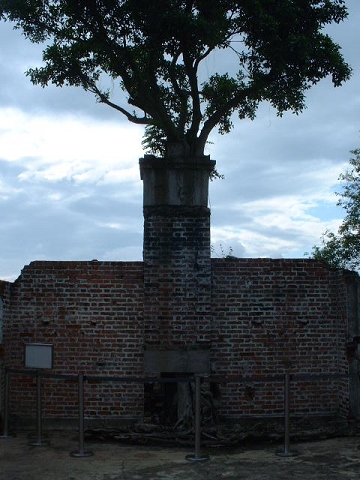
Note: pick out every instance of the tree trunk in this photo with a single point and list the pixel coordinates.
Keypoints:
(185, 405)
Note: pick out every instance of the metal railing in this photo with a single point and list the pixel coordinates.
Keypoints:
(197, 379)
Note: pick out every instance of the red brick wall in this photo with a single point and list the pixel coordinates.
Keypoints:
(4, 309)
(92, 313)
(275, 315)
(177, 276)
(266, 316)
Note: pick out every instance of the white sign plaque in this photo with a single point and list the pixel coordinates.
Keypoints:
(39, 355)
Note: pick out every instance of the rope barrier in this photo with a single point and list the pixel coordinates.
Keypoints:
(206, 378)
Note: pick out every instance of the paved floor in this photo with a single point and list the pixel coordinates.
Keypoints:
(334, 459)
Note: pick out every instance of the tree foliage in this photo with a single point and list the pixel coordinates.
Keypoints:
(342, 250)
(154, 50)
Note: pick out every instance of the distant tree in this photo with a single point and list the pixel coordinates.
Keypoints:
(342, 250)
(153, 51)
(222, 253)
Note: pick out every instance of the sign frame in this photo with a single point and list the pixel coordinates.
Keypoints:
(39, 355)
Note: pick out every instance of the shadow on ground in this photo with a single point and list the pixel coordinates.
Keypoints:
(331, 459)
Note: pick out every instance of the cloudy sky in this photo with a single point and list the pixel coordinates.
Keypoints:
(69, 180)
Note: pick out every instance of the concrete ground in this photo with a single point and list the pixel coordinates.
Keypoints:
(332, 459)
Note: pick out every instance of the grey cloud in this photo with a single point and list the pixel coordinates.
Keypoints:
(17, 55)
(33, 226)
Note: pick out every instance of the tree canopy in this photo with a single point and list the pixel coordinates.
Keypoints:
(154, 50)
(342, 250)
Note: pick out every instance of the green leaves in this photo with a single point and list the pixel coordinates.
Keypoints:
(153, 51)
(342, 250)
(224, 94)
(217, 92)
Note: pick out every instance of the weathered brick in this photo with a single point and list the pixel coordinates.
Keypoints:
(257, 316)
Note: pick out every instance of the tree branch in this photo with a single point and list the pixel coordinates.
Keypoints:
(104, 99)
(215, 118)
(195, 96)
(183, 96)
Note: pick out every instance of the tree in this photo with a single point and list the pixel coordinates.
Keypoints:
(342, 250)
(153, 51)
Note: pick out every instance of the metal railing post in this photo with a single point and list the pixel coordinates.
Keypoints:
(287, 452)
(6, 409)
(197, 457)
(39, 442)
(81, 452)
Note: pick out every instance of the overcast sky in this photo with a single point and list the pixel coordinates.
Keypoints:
(69, 179)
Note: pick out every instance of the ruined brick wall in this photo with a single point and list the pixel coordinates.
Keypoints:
(177, 285)
(262, 317)
(4, 319)
(4, 313)
(92, 313)
(177, 263)
(349, 300)
(270, 316)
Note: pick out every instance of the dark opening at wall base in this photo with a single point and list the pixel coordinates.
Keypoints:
(161, 399)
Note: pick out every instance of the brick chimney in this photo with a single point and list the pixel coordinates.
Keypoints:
(177, 264)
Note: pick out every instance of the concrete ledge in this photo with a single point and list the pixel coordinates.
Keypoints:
(179, 361)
